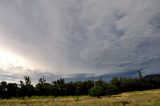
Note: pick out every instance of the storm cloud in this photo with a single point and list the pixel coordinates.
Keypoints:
(83, 36)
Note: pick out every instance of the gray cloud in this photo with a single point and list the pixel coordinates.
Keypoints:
(83, 36)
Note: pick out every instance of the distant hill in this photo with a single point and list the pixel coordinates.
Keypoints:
(106, 77)
(152, 76)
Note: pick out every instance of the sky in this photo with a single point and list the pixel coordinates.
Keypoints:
(65, 38)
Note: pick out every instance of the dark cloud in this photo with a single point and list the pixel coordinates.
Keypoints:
(86, 36)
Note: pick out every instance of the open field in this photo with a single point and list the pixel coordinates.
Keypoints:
(137, 98)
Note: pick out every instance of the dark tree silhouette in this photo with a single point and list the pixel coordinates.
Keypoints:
(93, 88)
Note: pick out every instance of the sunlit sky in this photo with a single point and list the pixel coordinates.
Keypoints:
(69, 37)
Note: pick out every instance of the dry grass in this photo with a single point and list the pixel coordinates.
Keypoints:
(138, 98)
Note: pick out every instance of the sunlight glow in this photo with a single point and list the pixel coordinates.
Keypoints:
(8, 58)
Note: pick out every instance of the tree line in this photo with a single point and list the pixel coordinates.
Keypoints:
(90, 87)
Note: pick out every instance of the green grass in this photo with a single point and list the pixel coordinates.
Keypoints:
(137, 98)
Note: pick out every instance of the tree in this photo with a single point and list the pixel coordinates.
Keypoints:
(86, 86)
(27, 80)
(59, 87)
(3, 89)
(116, 84)
(43, 88)
(12, 90)
(26, 89)
(29, 87)
(101, 83)
(140, 74)
(42, 81)
(21, 91)
(70, 89)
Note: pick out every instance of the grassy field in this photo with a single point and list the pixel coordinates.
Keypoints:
(137, 98)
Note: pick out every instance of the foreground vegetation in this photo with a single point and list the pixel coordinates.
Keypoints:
(136, 98)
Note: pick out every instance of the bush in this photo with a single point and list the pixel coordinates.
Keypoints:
(97, 91)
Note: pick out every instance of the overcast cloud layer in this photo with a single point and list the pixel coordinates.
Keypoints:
(83, 36)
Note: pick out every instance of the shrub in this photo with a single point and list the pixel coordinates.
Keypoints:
(97, 91)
